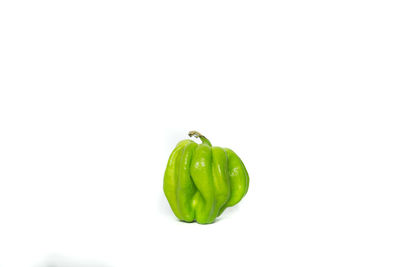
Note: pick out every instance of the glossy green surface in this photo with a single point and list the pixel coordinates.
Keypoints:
(201, 181)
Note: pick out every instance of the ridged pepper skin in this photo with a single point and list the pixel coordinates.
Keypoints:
(201, 180)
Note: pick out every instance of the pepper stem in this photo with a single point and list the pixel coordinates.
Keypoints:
(199, 135)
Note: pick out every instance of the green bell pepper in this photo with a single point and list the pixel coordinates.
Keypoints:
(201, 180)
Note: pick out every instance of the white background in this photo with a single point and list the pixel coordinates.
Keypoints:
(94, 95)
